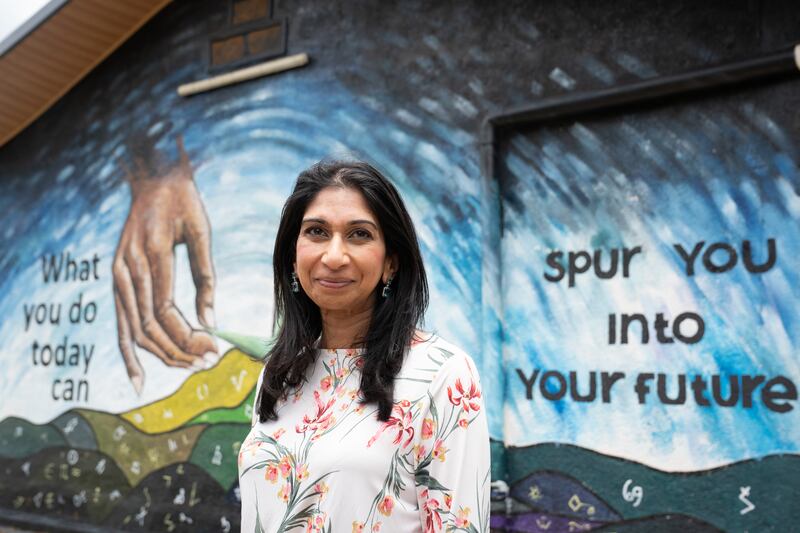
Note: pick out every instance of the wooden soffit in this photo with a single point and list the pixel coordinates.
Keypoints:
(56, 54)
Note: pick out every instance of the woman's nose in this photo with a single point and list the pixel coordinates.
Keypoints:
(335, 255)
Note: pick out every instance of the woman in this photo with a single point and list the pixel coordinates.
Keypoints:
(362, 422)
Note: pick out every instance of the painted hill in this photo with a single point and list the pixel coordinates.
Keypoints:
(225, 385)
(711, 497)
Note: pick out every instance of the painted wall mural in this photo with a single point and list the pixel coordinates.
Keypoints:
(650, 295)
(626, 284)
(119, 411)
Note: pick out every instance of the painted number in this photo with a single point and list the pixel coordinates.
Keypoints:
(634, 494)
(744, 494)
(238, 381)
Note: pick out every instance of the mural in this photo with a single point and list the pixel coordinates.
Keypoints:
(165, 466)
(648, 295)
(120, 410)
(626, 284)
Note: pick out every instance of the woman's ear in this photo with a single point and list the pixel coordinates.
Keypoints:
(389, 268)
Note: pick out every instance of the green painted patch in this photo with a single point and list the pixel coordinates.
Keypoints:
(76, 430)
(217, 451)
(236, 415)
(20, 438)
(256, 347)
(498, 454)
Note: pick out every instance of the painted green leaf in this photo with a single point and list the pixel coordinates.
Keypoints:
(251, 345)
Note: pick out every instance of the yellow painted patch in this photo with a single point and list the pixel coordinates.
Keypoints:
(225, 385)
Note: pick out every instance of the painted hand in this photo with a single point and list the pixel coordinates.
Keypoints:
(165, 211)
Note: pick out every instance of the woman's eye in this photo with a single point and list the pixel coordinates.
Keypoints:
(361, 234)
(315, 232)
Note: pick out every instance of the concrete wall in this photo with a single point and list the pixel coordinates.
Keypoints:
(408, 86)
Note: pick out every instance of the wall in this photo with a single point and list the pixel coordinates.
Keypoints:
(407, 86)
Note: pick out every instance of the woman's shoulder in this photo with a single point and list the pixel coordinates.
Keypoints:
(434, 356)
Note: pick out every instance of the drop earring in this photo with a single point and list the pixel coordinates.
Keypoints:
(387, 289)
(295, 283)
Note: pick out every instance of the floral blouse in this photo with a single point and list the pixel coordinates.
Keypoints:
(327, 464)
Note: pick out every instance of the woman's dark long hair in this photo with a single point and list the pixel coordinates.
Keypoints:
(394, 319)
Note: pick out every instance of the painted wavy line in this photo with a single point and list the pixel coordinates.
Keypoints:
(239, 414)
(225, 385)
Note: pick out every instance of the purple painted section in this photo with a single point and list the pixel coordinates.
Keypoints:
(541, 523)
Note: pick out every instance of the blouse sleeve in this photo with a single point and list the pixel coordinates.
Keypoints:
(453, 474)
(254, 414)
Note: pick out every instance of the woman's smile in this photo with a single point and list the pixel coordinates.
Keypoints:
(334, 283)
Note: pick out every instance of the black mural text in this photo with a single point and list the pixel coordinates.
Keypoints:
(580, 262)
(688, 335)
(63, 267)
(64, 352)
(78, 311)
(564, 385)
(721, 257)
(776, 393)
(716, 258)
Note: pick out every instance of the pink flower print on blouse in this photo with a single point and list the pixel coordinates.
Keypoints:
(433, 521)
(427, 428)
(420, 452)
(465, 398)
(250, 445)
(386, 506)
(285, 491)
(325, 383)
(302, 472)
(285, 466)
(316, 523)
(401, 423)
(321, 489)
(439, 451)
(462, 518)
(448, 500)
(271, 473)
(322, 418)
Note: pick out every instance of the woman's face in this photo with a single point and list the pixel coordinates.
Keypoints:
(341, 254)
